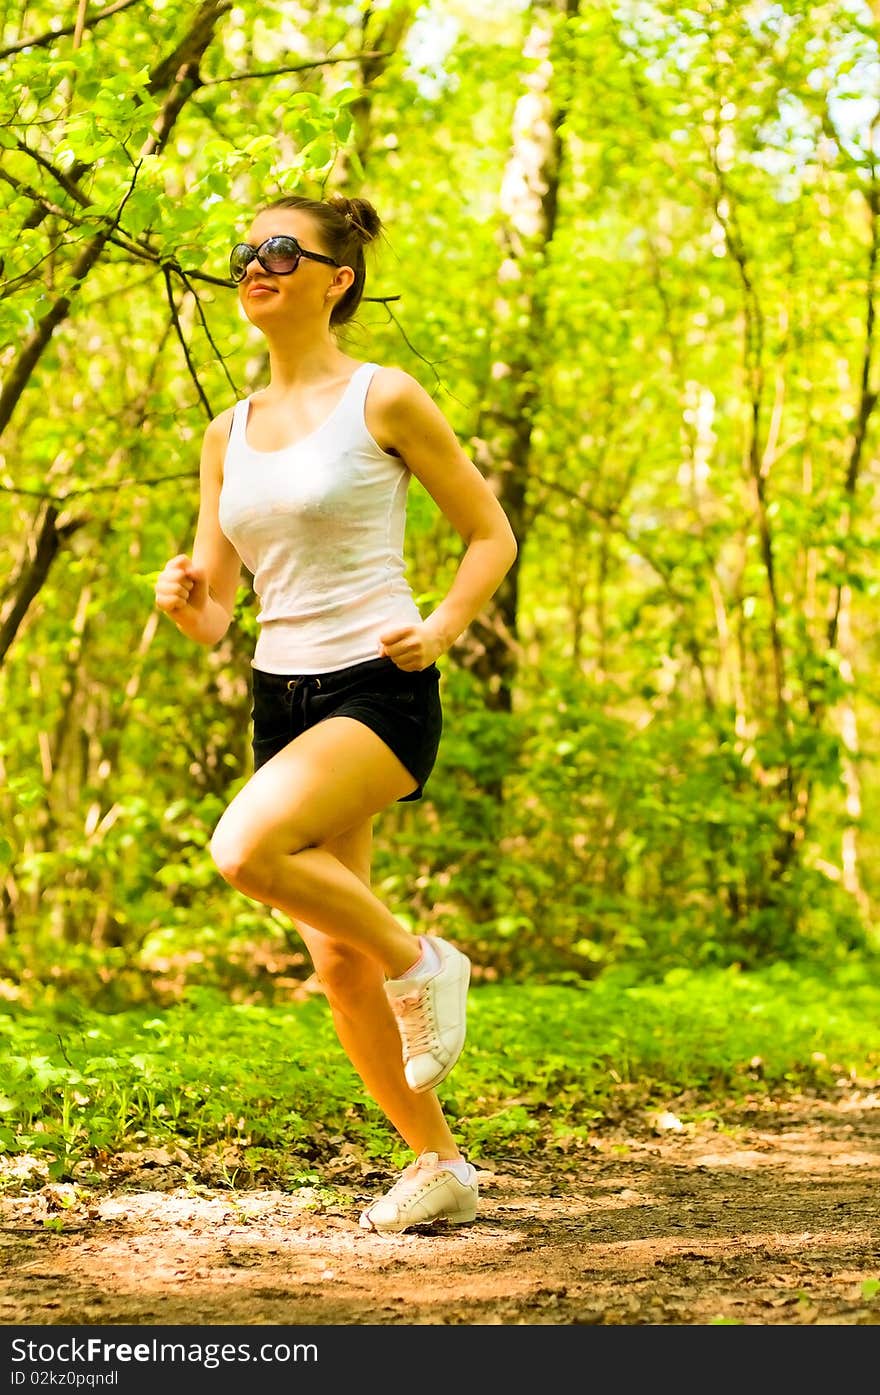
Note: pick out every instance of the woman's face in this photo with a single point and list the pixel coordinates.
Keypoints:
(298, 296)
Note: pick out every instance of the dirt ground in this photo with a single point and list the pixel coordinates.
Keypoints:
(767, 1213)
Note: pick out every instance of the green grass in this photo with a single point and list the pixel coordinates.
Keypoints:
(543, 1066)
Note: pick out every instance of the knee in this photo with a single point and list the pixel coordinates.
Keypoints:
(233, 859)
(248, 862)
(240, 862)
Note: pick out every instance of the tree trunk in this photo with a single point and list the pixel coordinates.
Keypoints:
(48, 535)
(381, 40)
(502, 444)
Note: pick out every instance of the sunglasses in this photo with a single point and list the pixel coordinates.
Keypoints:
(280, 256)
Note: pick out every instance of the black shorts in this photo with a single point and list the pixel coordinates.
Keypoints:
(404, 709)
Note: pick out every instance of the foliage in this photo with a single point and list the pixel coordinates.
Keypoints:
(543, 1067)
(688, 770)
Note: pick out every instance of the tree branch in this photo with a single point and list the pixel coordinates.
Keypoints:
(178, 329)
(114, 485)
(184, 276)
(45, 40)
(50, 535)
(182, 69)
(294, 68)
(66, 183)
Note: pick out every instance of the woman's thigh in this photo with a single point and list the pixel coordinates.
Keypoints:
(332, 778)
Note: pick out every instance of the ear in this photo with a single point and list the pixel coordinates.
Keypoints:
(339, 285)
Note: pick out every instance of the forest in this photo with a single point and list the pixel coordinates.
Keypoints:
(630, 247)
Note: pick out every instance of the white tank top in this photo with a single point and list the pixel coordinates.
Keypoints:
(320, 525)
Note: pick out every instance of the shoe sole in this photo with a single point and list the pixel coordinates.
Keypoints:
(438, 1079)
(460, 1218)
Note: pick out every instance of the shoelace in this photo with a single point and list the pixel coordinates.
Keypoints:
(416, 1026)
(405, 1184)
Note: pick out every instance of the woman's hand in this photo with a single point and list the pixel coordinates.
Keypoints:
(180, 584)
(411, 647)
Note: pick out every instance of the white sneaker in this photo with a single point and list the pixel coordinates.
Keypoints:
(426, 1192)
(431, 1015)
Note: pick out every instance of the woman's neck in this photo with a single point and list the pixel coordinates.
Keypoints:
(304, 360)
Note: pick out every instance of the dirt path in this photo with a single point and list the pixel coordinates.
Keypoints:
(768, 1216)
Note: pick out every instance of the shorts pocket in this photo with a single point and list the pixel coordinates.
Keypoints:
(406, 690)
(414, 680)
(269, 714)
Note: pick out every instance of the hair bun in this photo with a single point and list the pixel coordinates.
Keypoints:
(360, 214)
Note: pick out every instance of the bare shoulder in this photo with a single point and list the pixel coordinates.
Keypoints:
(403, 409)
(395, 388)
(218, 428)
(399, 410)
(214, 441)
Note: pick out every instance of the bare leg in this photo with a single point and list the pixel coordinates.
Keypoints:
(365, 1025)
(298, 837)
(271, 842)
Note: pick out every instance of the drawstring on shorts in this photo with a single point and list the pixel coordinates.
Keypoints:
(302, 687)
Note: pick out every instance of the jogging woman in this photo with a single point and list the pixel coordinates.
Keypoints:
(305, 483)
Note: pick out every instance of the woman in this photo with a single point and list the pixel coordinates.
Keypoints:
(305, 483)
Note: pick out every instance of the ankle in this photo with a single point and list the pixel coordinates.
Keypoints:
(426, 960)
(449, 1154)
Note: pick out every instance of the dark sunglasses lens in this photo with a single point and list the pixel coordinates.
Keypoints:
(281, 255)
(239, 260)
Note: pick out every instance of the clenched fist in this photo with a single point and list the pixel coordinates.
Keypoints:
(180, 584)
(411, 647)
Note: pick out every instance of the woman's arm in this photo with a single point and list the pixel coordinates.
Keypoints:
(406, 420)
(198, 593)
